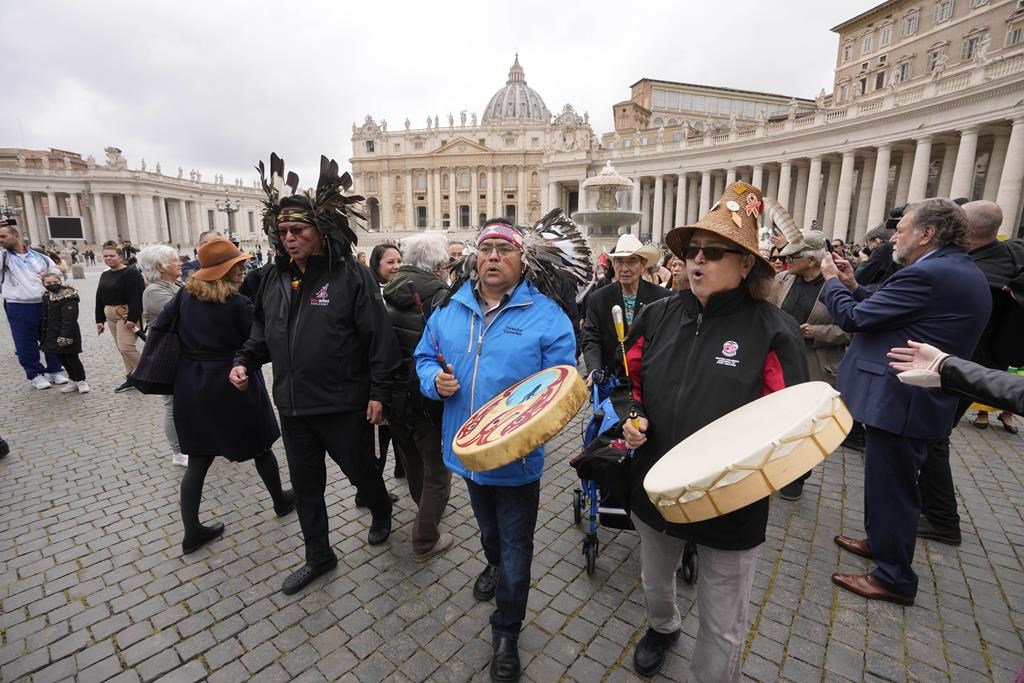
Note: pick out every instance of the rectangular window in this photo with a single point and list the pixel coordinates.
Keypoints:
(210, 217)
(482, 142)
(659, 99)
(698, 103)
(969, 48)
(421, 182)
(510, 141)
(885, 36)
(847, 53)
(1015, 34)
(910, 25)
(903, 71)
(673, 101)
(627, 143)
(749, 110)
(933, 57)
(867, 44)
(643, 140)
(252, 221)
(978, 3)
(421, 216)
(842, 93)
(882, 59)
(510, 212)
(943, 10)
(879, 80)
(463, 216)
(685, 101)
(398, 147)
(534, 142)
(369, 146)
(418, 146)
(510, 179)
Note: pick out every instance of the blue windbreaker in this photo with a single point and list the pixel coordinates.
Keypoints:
(530, 334)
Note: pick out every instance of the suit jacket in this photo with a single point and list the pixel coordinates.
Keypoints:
(942, 300)
(600, 345)
(827, 348)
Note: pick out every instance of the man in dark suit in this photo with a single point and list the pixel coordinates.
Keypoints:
(630, 292)
(939, 297)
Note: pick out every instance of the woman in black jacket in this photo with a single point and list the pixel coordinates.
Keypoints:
(61, 334)
(211, 417)
(700, 355)
(119, 307)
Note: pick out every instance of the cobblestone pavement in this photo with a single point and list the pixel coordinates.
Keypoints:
(93, 584)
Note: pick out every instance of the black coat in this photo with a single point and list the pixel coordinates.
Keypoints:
(330, 341)
(60, 319)
(210, 415)
(977, 383)
(600, 345)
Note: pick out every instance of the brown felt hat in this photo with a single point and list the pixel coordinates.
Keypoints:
(217, 257)
(734, 217)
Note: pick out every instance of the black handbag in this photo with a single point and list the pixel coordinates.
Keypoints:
(159, 362)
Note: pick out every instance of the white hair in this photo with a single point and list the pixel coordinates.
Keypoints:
(150, 257)
(818, 254)
(425, 251)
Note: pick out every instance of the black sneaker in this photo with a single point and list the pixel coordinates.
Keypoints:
(304, 575)
(380, 527)
(4, 449)
(649, 655)
(486, 584)
(124, 387)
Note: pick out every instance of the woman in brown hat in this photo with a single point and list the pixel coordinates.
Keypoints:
(211, 416)
(700, 355)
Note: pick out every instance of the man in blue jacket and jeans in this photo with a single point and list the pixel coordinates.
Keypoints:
(494, 332)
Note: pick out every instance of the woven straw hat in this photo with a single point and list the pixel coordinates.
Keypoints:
(734, 217)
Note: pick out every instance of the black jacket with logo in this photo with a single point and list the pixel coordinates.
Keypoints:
(330, 341)
(691, 367)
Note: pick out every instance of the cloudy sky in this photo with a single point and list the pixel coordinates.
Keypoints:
(218, 85)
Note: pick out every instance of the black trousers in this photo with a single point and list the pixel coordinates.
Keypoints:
(343, 436)
(73, 364)
(935, 482)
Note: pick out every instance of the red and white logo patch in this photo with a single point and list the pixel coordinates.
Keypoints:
(730, 348)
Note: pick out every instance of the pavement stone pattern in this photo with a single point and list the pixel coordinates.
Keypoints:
(93, 585)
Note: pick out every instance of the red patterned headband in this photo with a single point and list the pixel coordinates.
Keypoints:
(503, 232)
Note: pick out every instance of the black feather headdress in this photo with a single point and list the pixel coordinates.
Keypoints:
(330, 204)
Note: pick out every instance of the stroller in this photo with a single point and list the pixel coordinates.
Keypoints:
(603, 469)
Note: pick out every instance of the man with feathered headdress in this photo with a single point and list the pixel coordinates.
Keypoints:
(497, 329)
(320, 321)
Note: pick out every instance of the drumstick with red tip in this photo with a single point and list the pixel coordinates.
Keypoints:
(419, 305)
(620, 333)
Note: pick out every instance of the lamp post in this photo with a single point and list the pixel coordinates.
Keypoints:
(229, 207)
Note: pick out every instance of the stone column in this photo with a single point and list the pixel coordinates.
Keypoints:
(384, 197)
(867, 179)
(903, 178)
(53, 208)
(1011, 182)
(828, 216)
(680, 214)
(474, 188)
(812, 206)
(995, 166)
(435, 208)
(184, 235)
(453, 209)
(130, 216)
(521, 196)
(758, 178)
(705, 194)
(718, 188)
(645, 209)
(165, 230)
(844, 198)
(552, 194)
(410, 208)
(693, 202)
(879, 186)
(919, 173)
(73, 203)
(946, 172)
(634, 203)
(963, 173)
(667, 221)
(494, 193)
(99, 219)
(33, 231)
(658, 218)
(800, 196)
(785, 183)
(730, 176)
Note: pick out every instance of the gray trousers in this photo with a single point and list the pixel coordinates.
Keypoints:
(169, 431)
(724, 582)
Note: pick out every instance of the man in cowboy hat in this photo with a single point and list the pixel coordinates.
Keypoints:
(630, 292)
(494, 332)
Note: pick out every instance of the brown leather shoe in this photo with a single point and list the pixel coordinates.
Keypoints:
(866, 586)
(857, 546)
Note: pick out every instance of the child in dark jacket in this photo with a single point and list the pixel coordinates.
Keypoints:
(61, 334)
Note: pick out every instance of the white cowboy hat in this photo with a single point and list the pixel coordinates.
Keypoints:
(629, 245)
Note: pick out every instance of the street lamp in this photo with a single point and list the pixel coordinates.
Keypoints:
(230, 209)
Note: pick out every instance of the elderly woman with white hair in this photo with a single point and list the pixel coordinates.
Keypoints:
(412, 294)
(161, 269)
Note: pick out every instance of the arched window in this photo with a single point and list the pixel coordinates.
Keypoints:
(463, 179)
(483, 181)
(371, 183)
(446, 221)
(510, 178)
(421, 182)
(533, 179)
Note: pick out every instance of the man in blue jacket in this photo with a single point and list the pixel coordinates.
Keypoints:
(940, 297)
(494, 332)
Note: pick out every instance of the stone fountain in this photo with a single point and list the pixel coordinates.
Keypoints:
(610, 218)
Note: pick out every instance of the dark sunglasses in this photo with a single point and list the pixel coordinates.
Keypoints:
(295, 230)
(776, 259)
(710, 253)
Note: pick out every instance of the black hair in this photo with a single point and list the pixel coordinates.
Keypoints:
(378, 253)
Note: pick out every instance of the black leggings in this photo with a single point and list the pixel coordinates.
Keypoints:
(195, 475)
(73, 364)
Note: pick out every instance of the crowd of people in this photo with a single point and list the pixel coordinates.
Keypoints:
(415, 348)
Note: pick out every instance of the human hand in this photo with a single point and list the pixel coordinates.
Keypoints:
(636, 436)
(374, 412)
(239, 377)
(589, 379)
(445, 382)
(808, 331)
(99, 328)
(916, 356)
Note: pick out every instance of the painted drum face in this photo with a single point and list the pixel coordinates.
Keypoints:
(520, 418)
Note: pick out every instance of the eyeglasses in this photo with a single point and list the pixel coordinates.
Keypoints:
(710, 253)
(295, 230)
(504, 250)
(794, 257)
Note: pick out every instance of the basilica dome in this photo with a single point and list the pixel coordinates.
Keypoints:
(516, 101)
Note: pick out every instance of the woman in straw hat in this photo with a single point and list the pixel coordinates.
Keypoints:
(698, 356)
(211, 417)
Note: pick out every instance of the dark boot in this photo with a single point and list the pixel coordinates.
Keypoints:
(505, 661)
(380, 527)
(649, 656)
